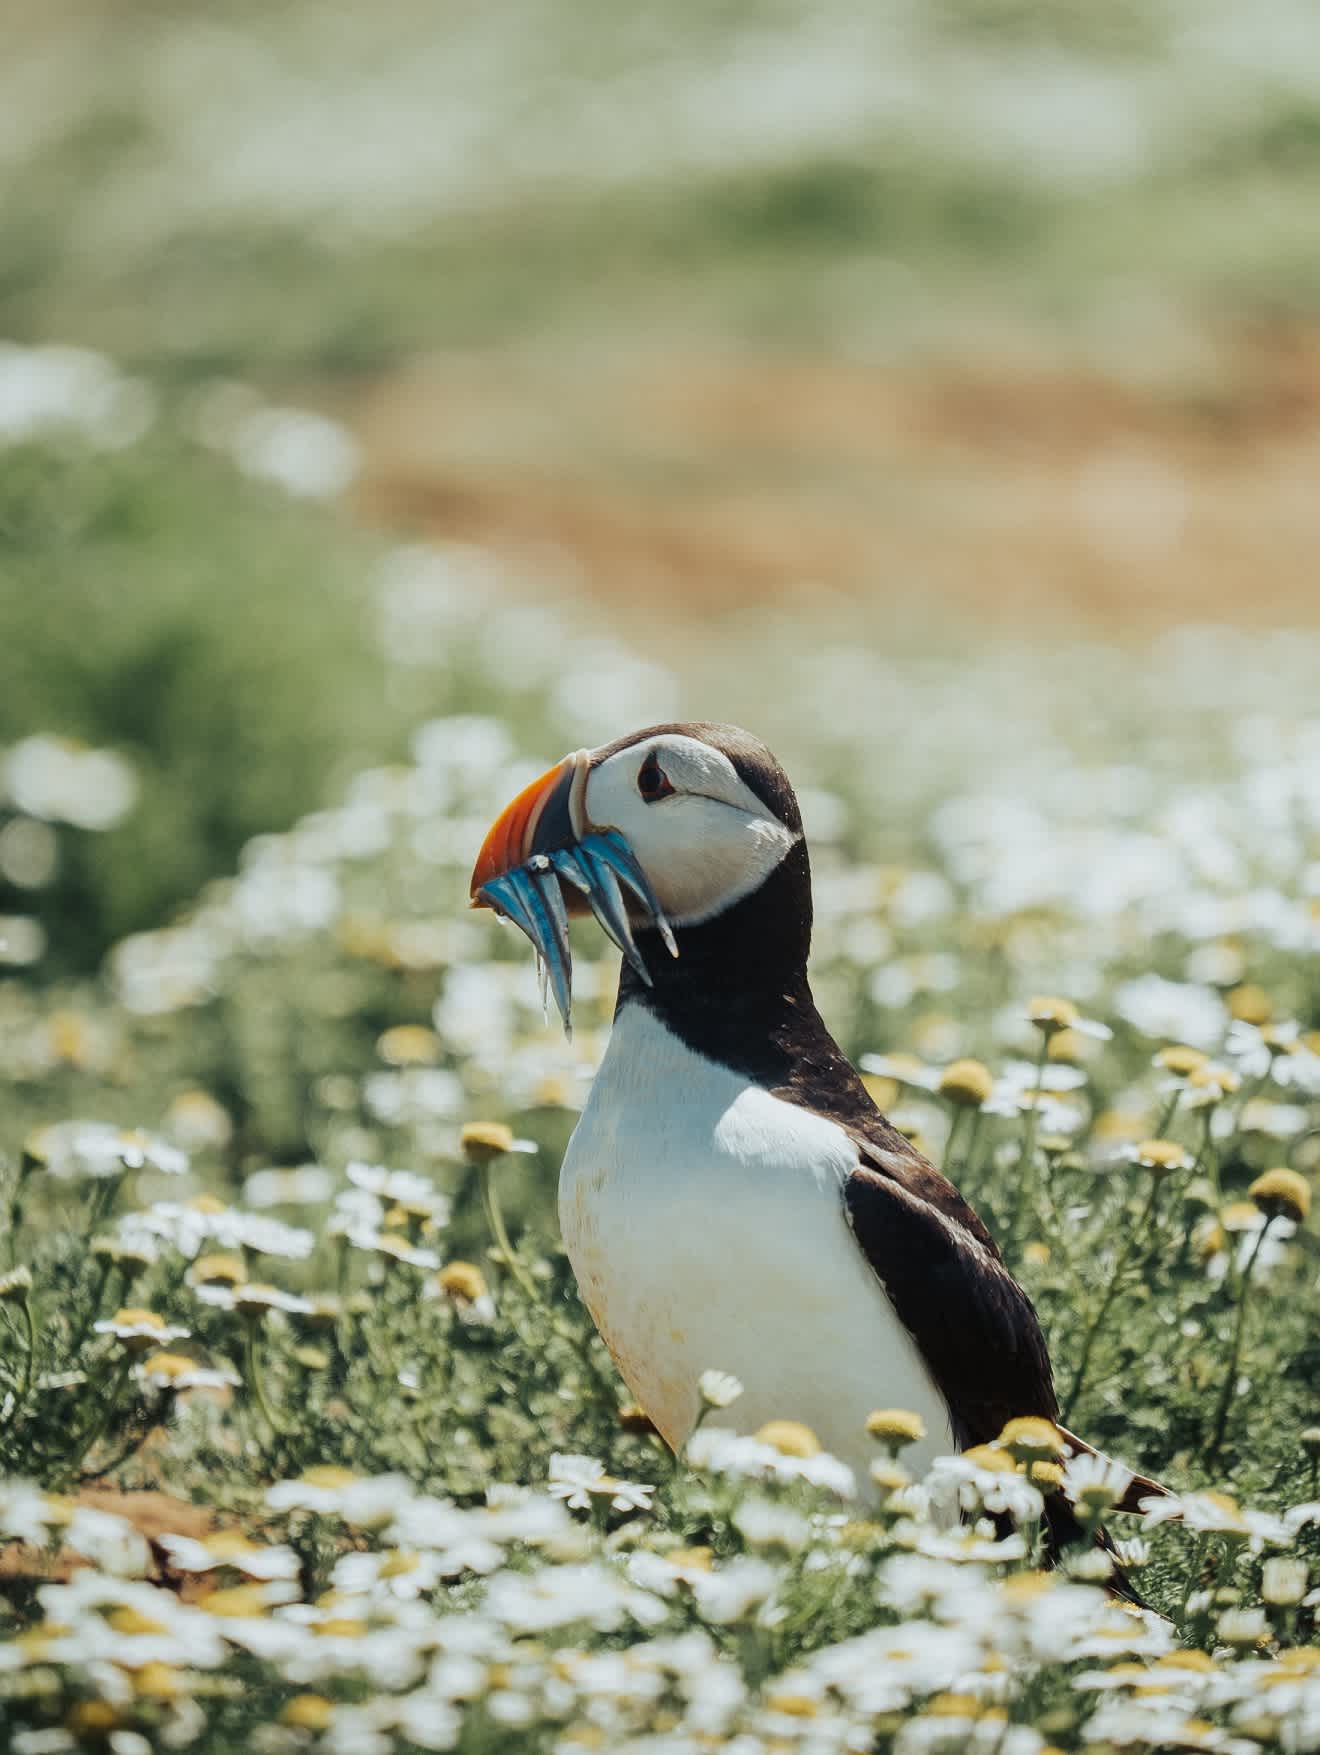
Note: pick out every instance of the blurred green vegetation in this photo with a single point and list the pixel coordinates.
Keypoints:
(886, 180)
(886, 256)
(208, 628)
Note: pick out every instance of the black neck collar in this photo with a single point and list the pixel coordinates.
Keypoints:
(738, 993)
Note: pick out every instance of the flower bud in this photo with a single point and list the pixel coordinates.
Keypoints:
(966, 1083)
(789, 1438)
(1282, 1193)
(484, 1140)
(895, 1427)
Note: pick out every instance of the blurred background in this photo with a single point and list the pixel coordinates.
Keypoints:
(364, 364)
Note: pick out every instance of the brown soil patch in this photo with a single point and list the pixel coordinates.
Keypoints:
(1005, 495)
(153, 1514)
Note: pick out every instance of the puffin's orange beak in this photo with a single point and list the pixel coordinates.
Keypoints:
(543, 860)
(539, 819)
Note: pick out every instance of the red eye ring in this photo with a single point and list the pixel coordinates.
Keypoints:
(652, 781)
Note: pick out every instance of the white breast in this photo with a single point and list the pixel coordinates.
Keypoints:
(704, 1219)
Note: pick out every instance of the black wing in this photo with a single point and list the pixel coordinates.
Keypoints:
(972, 1323)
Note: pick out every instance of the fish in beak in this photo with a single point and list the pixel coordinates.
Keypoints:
(543, 860)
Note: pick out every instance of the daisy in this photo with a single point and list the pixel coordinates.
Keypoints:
(71, 1150)
(139, 1330)
(365, 1502)
(403, 1187)
(719, 1389)
(252, 1299)
(1095, 1483)
(578, 1479)
(393, 1247)
(176, 1373)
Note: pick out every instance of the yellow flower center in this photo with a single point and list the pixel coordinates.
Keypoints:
(1162, 1157)
(692, 1559)
(91, 1718)
(1030, 1438)
(484, 1140)
(954, 1706)
(1301, 1657)
(1181, 1060)
(967, 1083)
(462, 1280)
(328, 1475)
(789, 1438)
(307, 1712)
(132, 1621)
(157, 1681)
(239, 1603)
(168, 1365)
(229, 1545)
(1023, 1587)
(1200, 1661)
(995, 1462)
(1050, 1013)
(227, 1270)
(1282, 1193)
(793, 1705)
(409, 1045)
(896, 1426)
(1250, 1004)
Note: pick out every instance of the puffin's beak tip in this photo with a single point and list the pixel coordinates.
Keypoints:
(541, 838)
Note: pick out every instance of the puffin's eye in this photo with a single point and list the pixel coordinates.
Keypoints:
(652, 781)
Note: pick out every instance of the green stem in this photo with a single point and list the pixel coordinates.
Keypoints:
(24, 1387)
(95, 1430)
(1235, 1349)
(951, 1144)
(94, 1308)
(1110, 1292)
(1027, 1156)
(16, 1208)
(1210, 1158)
(1166, 1120)
(972, 1156)
(256, 1378)
(1250, 1088)
(1160, 1235)
(103, 1201)
(126, 1454)
(490, 1203)
(1193, 1575)
(30, 1363)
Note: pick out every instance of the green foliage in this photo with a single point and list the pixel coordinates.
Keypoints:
(208, 629)
(1158, 164)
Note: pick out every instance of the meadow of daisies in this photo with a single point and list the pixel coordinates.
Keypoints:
(306, 1442)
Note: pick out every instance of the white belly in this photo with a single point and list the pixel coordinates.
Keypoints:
(704, 1220)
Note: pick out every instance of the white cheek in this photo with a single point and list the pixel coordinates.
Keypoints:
(703, 849)
(703, 856)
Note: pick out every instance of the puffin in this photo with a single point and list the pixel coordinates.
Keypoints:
(732, 1199)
